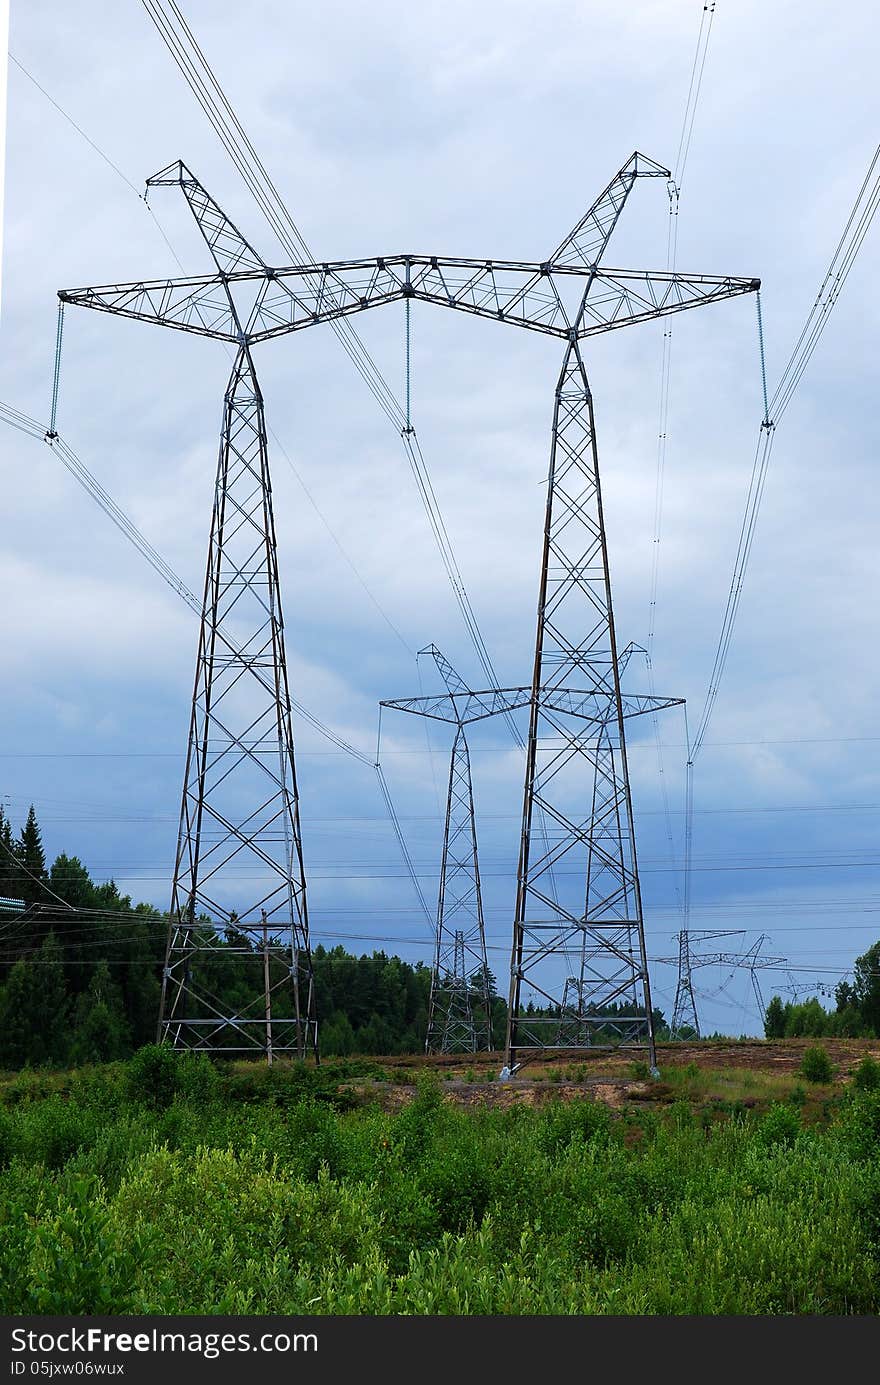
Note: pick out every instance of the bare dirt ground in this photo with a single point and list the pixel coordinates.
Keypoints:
(617, 1079)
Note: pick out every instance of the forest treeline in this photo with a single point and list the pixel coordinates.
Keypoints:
(856, 1014)
(85, 987)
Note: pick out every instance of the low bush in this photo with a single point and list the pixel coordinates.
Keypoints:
(780, 1126)
(151, 1189)
(816, 1065)
(866, 1077)
(154, 1075)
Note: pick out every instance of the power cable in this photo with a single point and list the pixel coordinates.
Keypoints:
(193, 65)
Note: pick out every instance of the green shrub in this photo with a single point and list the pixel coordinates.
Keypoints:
(859, 1125)
(154, 1075)
(866, 1077)
(311, 1139)
(816, 1065)
(50, 1132)
(7, 1138)
(78, 1262)
(275, 1203)
(414, 1127)
(580, 1120)
(780, 1126)
(457, 1177)
(197, 1078)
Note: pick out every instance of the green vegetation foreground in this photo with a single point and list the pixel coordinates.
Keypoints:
(166, 1185)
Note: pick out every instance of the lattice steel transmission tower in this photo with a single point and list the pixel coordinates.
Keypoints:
(455, 1027)
(460, 1004)
(238, 870)
(460, 875)
(571, 296)
(685, 1010)
(597, 909)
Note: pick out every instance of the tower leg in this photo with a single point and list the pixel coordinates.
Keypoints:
(578, 907)
(239, 922)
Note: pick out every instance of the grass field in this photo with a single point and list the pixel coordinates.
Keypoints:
(169, 1186)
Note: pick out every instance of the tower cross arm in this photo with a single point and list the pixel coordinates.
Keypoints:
(199, 304)
(729, 959)
(621, 297)
(263, 303)
(587, 705)
(460, 709)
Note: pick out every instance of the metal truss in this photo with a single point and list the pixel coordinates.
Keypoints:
(571, 295)
(685, 1009)
(460, 706)
(239, 891)
(460, 1003)
(567, 296)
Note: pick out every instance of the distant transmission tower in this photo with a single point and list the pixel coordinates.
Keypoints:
(460, 875)
(685, 1010)
(458, 1022)
(596, 911)
(454, 1024)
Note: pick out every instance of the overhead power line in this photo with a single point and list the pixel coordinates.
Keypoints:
(189, 58)
(129, 529)
(858, 223)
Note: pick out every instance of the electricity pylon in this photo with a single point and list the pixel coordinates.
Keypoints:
(571, 296)
(455, 1027)
(460, 906)
(458, 1021)
(239, 867)
(685, 1010)
(596, 906)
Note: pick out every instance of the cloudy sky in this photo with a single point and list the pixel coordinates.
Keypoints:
(478, 130)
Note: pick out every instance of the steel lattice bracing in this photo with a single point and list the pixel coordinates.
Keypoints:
(457, 1020)
(578, 924)
(460, 1004)
(240, 814)
(454, 1028)
(571, 296)
(461, 706)
(239, 895)
(685, 1010)
(578, 897)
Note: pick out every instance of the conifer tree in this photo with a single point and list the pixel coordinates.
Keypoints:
(8, 859)
(34, 1010)
(101, 1033)
(32, 860)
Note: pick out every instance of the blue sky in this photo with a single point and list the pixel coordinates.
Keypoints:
(463, 130)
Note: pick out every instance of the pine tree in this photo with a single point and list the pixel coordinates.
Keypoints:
(101, 1033)
(774, 1019)
(33, 1010)
(8, 859)
(32, 860)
